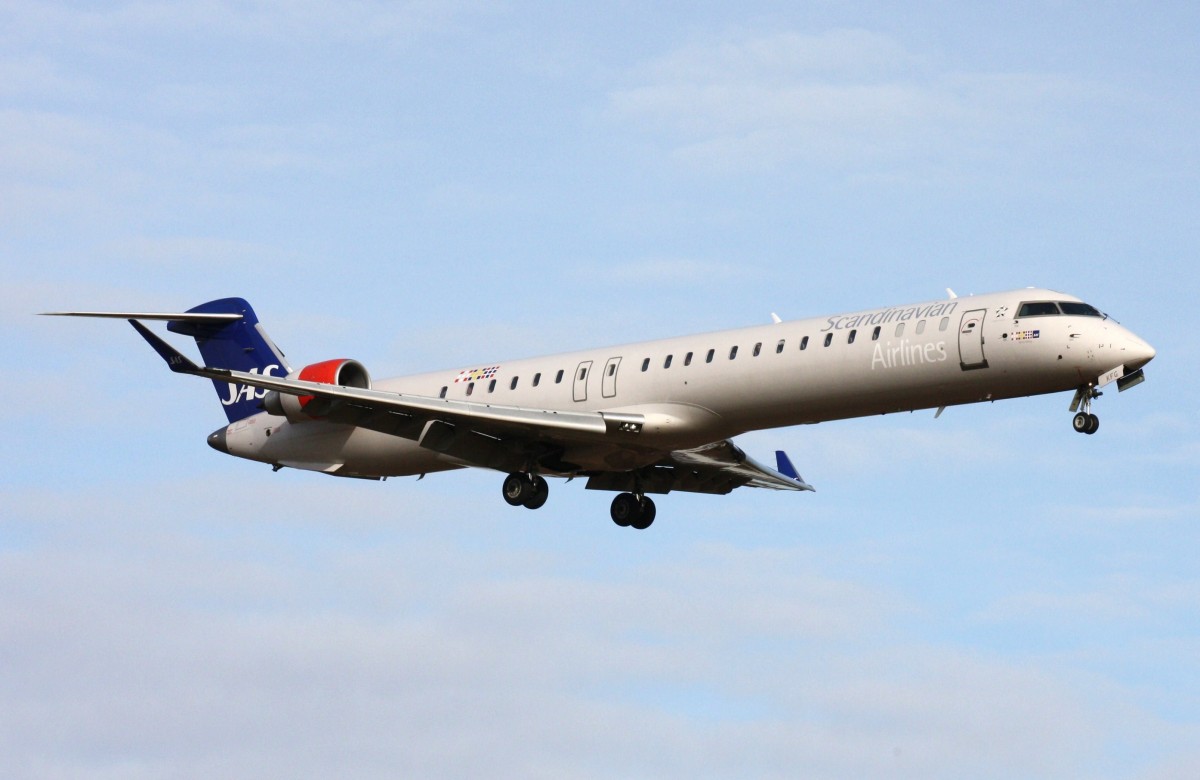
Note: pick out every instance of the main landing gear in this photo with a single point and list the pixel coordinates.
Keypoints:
(527, 490)
(628, 510)
(1085, 421)
(634, 511)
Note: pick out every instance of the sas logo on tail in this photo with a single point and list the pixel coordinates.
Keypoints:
(239, 393)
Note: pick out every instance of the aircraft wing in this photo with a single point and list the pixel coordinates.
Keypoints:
(510, 437)
(496, 436)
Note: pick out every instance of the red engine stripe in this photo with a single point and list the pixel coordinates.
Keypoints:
(325, 372)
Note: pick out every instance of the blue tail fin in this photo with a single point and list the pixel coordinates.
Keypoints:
(242, 345)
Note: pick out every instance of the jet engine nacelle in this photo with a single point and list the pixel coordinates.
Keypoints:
(299, 408)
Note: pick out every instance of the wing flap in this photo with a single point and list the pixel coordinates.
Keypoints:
(717, 468)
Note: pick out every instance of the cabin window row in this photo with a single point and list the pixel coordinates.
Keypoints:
(851, 337)
(512, 385)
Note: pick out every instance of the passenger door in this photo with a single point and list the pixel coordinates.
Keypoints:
(581, 378)
(970, 340)
(608, 385)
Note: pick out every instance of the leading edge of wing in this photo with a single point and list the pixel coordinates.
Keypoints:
(433, 408)
(596, 423)
(129, 315)
(583, 422)
(593, 423)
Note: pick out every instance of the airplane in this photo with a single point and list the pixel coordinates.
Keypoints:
(649, 417)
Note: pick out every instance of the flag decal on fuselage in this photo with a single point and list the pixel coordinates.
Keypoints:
(476, 374)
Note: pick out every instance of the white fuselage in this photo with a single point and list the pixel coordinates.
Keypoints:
(702, 388)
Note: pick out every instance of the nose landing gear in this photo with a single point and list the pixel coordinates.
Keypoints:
(1084, 421)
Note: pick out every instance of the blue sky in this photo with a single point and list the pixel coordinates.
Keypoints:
(431, 185)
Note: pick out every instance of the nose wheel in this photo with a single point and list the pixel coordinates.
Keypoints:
(527, 490)
(632, 511)
(1084, 421)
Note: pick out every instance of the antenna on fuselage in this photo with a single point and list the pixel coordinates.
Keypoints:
(951, 293)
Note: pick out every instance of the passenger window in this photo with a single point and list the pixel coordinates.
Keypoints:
(1037, 309)
(492, 386)
(646, 364)
(443, 393)
(779, 347)
(945, 323)
(513, 385)
(732, 352)
(920, 327)
(850, 338)
(667, 362)
(470, 387)
(804, 343)
(537, 379)
(757, 349)
(558, 377)
(687, 359)
(711, 352)
(875, 333)
(900, 330)
(828, 339)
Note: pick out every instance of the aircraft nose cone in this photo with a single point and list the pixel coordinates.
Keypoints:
(217, 441)
(1139, 353)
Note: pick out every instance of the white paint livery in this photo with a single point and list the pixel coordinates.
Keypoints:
(657, 416)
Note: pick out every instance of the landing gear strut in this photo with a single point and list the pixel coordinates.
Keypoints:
(527, 490)
(1085, 421)
(635, 511)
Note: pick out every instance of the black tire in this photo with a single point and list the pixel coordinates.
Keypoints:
(517, 489)
(1081, 422)
(1093, 424)
(540, 492)
(625, 509)
(646, 516)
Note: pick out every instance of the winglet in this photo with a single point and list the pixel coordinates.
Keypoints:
(176, 361)
(784, 466)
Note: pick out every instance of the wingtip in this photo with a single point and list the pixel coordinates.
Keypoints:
(783, 464)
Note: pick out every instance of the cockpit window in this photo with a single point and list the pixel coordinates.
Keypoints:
(1079, 309)
(1038, 309)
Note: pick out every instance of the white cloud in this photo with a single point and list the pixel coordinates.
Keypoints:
(292, 629)
(36, 76)
(272, 20)
(681, 271)
(848, 99)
